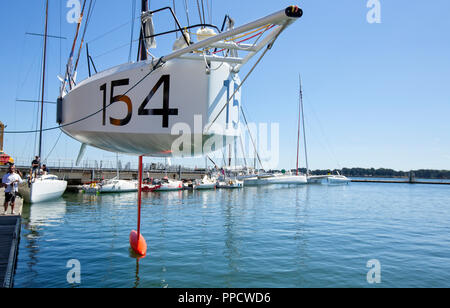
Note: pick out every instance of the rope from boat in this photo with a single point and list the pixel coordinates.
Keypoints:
(251, 138)
(56, 143)
(155, 67)
(133, 17)
(249, 38)
(248, 33)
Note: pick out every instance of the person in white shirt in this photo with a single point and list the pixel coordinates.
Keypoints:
(11, 180)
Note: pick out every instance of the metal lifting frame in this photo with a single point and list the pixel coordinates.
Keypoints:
(282, 19)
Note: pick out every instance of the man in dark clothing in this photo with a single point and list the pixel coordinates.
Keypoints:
(35, 165)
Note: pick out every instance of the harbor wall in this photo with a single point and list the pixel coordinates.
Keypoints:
(78, 176)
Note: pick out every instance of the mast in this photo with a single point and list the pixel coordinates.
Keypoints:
(43, 78)
(117, 165)
(299, 123)
(142, 47)
(304, 127)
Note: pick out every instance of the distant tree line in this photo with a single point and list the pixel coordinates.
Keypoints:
(383, 172)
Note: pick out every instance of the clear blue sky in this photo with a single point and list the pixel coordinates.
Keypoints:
(376, 95)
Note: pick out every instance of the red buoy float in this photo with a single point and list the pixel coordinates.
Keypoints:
(137, 243)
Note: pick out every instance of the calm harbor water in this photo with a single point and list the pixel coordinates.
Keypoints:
(308, 236)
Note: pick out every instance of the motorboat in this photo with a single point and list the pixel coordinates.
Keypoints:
(169, 185)
(116, 185)
(91, 188)
(148, 185)
(338, 180)
(230, 184)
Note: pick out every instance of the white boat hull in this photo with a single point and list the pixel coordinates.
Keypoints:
(255, 181)
(231, 185)
(172, 186)
(205, 186)
(338, 180)
(135, 123)
(288, 180)
(119, 186)
(42, 190)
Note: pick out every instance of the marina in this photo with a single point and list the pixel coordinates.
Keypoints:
(169, 144)
(266, 236)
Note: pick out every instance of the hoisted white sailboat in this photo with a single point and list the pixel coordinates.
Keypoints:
(42, 187)
(193, 85)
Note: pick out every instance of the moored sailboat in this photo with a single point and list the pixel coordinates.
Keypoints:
(42, 187)
(205, 183)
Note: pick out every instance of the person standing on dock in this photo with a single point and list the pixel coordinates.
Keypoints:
(11, 180)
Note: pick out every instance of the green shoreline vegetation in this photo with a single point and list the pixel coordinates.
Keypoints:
(384, 173)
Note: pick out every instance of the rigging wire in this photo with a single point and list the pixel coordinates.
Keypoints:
(199, 13)
(56, 143)
(203, 11)
(89, 14)
(186, 8)
(133, 16)
(209, 10)
(109, 32)
(155, 67)
(175, 12)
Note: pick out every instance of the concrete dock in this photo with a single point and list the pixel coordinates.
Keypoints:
(9, 241)
(400, 182)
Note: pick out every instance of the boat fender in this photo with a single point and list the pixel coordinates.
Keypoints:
(180, 42)
(205, 33)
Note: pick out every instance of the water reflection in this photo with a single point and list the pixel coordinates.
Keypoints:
(35, 218)
(302, 204)
(231, 252)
